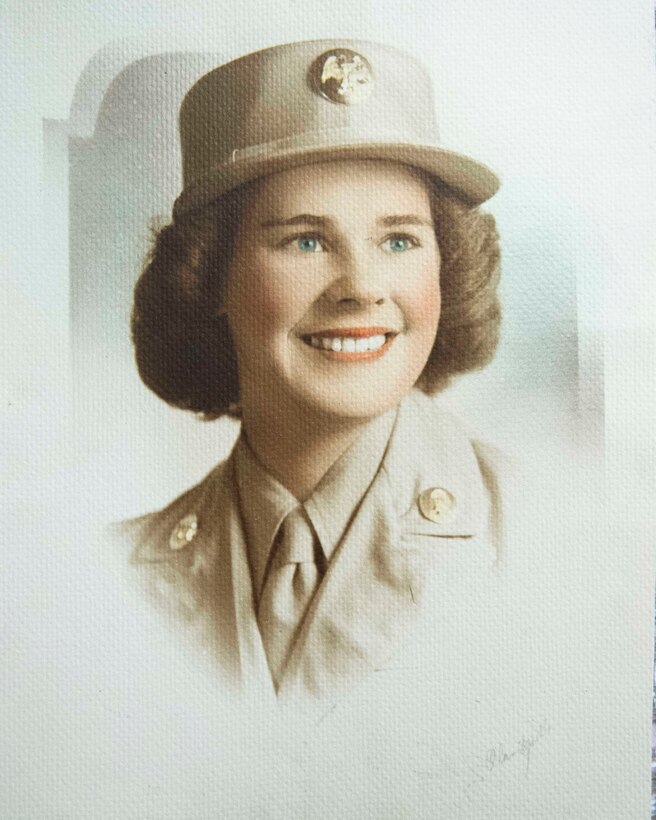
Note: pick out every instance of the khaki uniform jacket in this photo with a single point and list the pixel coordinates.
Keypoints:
(443, 666)
(384, 577)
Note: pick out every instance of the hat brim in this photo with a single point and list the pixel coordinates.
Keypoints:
(469, 179)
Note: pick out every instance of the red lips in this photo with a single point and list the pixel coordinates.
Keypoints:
(351, 332)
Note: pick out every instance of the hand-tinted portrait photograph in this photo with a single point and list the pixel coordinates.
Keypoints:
(338, 442)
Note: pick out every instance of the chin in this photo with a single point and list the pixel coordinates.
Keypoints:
(353, 404)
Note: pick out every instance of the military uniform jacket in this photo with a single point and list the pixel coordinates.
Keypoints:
(445, 655)
(397, 554)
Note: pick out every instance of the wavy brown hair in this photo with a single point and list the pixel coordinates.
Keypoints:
(183, 347)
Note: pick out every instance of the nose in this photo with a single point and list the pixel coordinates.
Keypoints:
(358, 280)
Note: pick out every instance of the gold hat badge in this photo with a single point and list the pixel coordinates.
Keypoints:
(342, 76)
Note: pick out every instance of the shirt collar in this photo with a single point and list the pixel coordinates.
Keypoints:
(265, 502)
(337, 497)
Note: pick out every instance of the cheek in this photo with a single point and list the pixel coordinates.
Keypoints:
(269, 300)
(424, 301)
(254, 298)
(268, 309)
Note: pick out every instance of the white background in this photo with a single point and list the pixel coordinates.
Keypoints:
(558, 97)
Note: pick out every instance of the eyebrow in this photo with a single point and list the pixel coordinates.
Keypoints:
(404, 219)
(392, 220)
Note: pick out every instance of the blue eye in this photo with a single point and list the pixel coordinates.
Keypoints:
(308, 244)
(399, 243)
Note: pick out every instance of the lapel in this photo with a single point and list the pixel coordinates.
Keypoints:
(380, 579)
(206, 584)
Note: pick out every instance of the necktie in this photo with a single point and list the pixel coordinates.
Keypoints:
(292, 580)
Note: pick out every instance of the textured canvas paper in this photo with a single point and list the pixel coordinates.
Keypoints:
(541, 702)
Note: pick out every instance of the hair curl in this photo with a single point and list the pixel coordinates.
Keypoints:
(182, 342)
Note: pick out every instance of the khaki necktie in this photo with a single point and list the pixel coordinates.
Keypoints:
(292, 580)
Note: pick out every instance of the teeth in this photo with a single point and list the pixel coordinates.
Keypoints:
(349, 344)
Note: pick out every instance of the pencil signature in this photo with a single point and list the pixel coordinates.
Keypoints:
(499, 756)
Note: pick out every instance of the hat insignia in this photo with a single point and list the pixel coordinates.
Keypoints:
(342, 76)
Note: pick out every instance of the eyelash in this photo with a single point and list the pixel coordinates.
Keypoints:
(414, 242)
(297, 236)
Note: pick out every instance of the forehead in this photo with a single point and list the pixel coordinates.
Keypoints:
(357, 184)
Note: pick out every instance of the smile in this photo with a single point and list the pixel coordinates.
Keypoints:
(351, 344)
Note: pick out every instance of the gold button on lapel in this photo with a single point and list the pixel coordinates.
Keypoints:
(436, 504)
(184, 532)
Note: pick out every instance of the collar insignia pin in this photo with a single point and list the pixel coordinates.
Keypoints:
(436, 504)
(184, 532)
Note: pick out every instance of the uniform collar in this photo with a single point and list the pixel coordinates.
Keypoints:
(265, 502)
(338, 495)
(397, 555)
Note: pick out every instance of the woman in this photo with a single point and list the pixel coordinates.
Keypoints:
(327, 267)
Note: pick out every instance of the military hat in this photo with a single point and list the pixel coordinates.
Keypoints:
(313, 101)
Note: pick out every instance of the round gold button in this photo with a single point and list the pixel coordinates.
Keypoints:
(184, 532)
(436, 504)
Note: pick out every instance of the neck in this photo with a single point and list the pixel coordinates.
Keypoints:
(298, 448)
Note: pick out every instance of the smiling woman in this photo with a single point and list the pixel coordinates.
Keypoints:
(189, 359)
(279, 295)
(319, 281)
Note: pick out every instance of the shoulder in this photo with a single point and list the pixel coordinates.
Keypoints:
(436, 429)
(501, 472)
(434, 448)
(157, 534)
(431, 448)
(171, 554)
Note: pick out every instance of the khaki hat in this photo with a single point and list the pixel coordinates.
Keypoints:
(313, 101)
